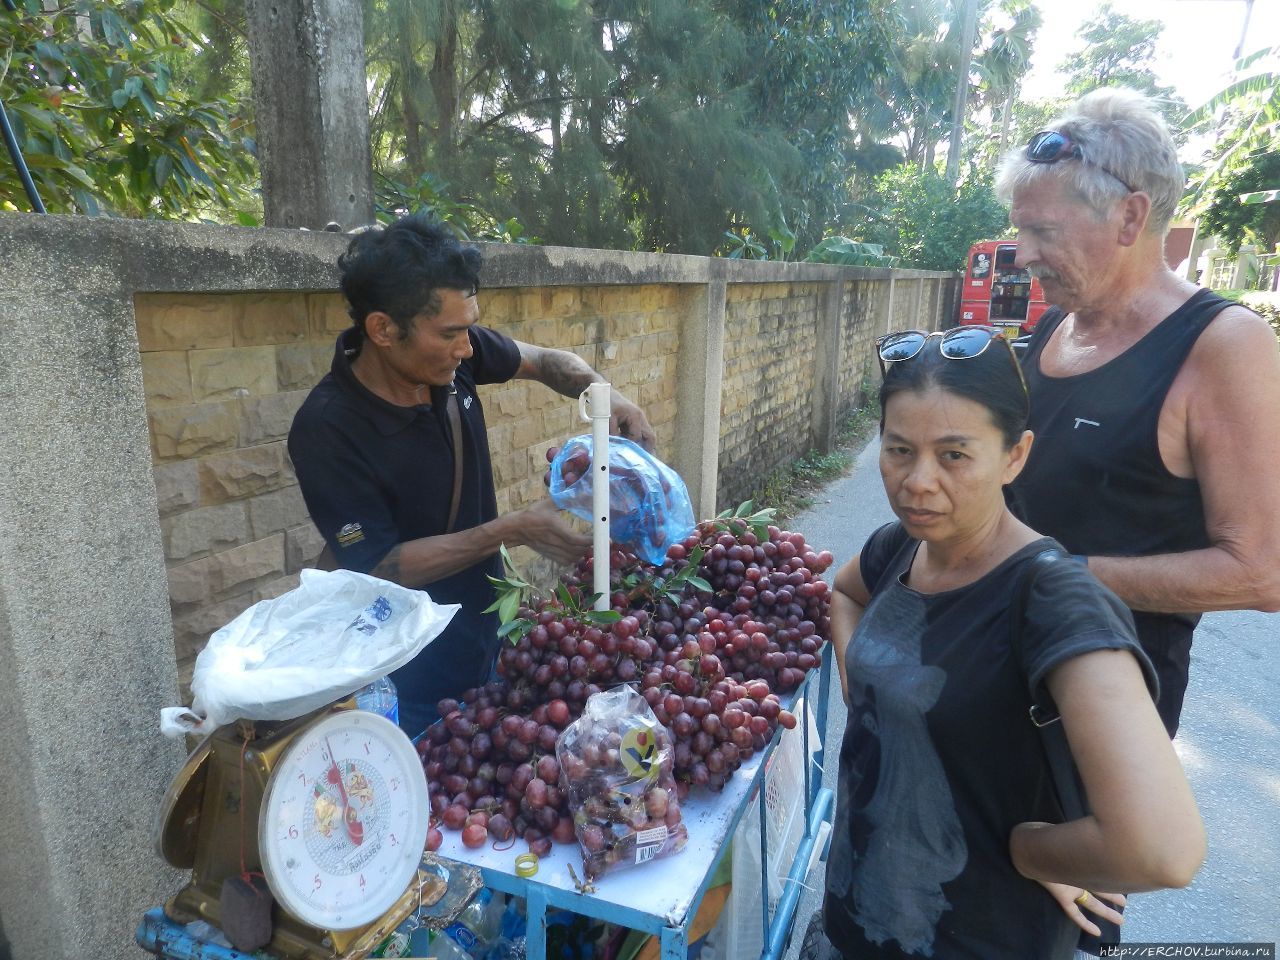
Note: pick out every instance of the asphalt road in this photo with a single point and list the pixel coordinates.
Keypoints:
(1229, 743)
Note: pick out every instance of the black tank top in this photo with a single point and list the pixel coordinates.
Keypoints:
(1095, 481)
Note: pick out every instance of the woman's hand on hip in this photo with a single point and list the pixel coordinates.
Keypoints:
(1074, 901)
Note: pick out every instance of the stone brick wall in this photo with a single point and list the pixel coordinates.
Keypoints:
(223, 376)
(925, 303)
(766, 402)
(862, 319)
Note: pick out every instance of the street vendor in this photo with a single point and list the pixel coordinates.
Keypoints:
(391, 450)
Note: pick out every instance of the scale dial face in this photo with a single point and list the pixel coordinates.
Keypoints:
(344, 821)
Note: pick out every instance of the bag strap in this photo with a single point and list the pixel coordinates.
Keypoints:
(1043, 711)
(1044, 714)
(455, 427)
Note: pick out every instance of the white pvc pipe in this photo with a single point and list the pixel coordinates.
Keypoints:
(594, 405)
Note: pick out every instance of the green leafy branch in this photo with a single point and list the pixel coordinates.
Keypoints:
(513, 592)
(746, 516)
(672, 589)
(581, 606)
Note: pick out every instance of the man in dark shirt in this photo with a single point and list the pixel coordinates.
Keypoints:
(374, 445)
(1153, 402)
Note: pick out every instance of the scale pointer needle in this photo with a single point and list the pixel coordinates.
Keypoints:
(355, 829)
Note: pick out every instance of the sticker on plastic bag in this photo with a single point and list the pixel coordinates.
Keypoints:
(649, 506)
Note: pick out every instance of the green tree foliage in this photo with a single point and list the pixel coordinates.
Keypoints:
(1114, 50)
(91, 89)
(223, 74)
(912, 104)
(820, 68)
(744, 127)
(1000, 66)
(1236, 223)
(917, 217)
(680, 125)
(917, 93)
(850, 253)
(1117, 52)
(1243, 121)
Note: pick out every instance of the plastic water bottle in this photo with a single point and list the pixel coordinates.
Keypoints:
(445, 948)
(380, 697)
(478, 924)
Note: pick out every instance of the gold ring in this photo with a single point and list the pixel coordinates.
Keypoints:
(1082, 899)
(526, 864)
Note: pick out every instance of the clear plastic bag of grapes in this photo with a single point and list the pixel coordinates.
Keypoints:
(649, 506)
(616, 764)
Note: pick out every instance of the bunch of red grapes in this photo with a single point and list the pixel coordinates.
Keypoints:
(710, 663)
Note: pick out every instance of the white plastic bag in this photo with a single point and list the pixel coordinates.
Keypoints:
(287, 656)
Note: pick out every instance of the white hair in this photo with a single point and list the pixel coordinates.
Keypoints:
(1125, 145)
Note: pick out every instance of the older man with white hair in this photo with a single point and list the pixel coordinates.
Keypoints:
(1155, 403)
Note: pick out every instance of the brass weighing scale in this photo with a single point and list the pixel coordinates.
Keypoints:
(330, 807)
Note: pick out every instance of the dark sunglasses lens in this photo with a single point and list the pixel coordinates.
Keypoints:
(900, 346)
(1046, 147)
(964, 342)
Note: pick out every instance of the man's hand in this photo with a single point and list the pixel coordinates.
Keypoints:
(542, 529)
(629, 421)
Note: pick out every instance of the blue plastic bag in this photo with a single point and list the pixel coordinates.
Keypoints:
(649, 506)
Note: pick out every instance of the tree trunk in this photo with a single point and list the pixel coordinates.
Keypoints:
(311, 100)
(444, 84)
(1006, 121)
(958, 109)
(409, 112)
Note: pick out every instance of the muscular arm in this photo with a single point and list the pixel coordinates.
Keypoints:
(1232, 416)
(849, 601)
(1144, 832)
(568, 374)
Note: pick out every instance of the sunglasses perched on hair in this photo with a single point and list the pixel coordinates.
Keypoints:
(1050, 146)
(958, 343)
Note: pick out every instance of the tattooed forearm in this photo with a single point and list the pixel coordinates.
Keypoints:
(388, 567)
(565, 373)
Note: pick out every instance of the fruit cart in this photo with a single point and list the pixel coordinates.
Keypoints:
(719, 639)
(662, 897)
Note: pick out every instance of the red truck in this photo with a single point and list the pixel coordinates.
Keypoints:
(997, 292)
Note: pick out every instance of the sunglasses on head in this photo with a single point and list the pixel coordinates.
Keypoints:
(1050, 146)
(958, 343)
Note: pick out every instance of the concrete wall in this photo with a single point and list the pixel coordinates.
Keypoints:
(151, 376)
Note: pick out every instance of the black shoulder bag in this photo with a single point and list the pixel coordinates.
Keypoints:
(1044, 714)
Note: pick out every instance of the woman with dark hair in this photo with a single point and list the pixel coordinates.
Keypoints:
(948, 838)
